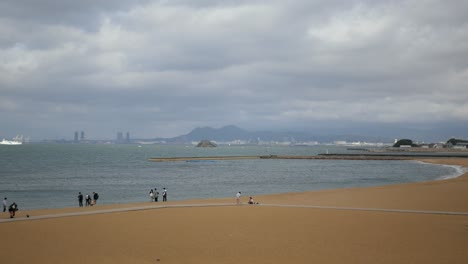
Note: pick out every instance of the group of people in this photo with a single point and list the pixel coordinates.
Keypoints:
(89, 200)
(154, 195)
(12, 208)
(92, 200)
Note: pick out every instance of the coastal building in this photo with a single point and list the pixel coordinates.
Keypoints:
(120, 138)
(79, 136)
(404, 143)
(457, 143)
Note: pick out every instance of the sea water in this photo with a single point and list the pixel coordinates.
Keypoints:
(51, 175)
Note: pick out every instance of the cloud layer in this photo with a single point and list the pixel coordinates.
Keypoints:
(161, 68)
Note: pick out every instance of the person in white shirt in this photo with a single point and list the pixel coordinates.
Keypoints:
(238, 195)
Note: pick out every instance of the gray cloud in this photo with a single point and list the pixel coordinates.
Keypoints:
(161, 68)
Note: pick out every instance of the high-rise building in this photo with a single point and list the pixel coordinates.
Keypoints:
(119, 137)
(82, 137)
(76, 137)
(127, 137)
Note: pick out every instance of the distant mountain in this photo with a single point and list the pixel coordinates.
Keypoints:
(227, 133)
(231, 133)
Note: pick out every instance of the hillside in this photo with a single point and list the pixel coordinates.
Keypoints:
(231, 133)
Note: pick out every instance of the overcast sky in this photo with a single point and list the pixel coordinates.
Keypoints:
(162, 68)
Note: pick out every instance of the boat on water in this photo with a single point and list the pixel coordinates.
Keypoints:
(16, 141)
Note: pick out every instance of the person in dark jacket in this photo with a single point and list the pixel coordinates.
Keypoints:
(12, 209)
(80, 199)
(164, 195)
(156, 194)
(95, 197)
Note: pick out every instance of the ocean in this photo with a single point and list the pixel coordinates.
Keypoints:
(38, 176)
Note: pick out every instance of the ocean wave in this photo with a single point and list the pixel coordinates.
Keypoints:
(457, 170)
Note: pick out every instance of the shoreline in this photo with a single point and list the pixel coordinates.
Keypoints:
(461, 172)
(325, 226)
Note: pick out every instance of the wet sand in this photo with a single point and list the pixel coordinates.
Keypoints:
(259, 233)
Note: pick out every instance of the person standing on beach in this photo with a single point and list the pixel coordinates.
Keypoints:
(88, 200)
(156, 194)
(80, 199)
(164, 194)
(5, 204)
(151, 194)
(95, 197)
(238, 196)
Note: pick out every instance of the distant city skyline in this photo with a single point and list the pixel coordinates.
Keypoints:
(287, 135)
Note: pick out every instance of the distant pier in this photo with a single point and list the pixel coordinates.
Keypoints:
(317, 157)
(203, 158)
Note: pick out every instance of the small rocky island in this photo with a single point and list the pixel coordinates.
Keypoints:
(206, 144)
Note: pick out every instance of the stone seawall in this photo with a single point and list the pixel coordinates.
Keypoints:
(319, 157)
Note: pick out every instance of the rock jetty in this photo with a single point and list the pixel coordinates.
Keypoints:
(206, 144)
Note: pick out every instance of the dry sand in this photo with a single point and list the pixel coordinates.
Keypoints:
(259, 234)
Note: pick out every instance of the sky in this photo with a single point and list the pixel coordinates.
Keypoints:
(163, 68)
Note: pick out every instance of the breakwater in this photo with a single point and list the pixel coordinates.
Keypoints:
(203, 158)
(317, 157)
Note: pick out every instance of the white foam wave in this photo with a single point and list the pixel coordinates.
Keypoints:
(457, 170)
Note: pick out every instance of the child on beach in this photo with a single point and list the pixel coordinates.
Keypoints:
(12, 209)
(251, 201)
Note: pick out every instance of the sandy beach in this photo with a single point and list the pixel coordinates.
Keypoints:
(423, 222)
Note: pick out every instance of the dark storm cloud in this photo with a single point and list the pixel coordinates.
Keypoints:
(161, 68)
(82, 14)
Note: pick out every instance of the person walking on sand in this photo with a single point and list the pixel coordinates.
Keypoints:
(5, 204)
(238, 196)
(12, 209)
(151, 194)
(164, 194)
(80, 199)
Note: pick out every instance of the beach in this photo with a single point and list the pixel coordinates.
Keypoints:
(425, 222)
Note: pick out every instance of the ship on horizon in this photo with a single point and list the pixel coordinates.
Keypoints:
(18, 140)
